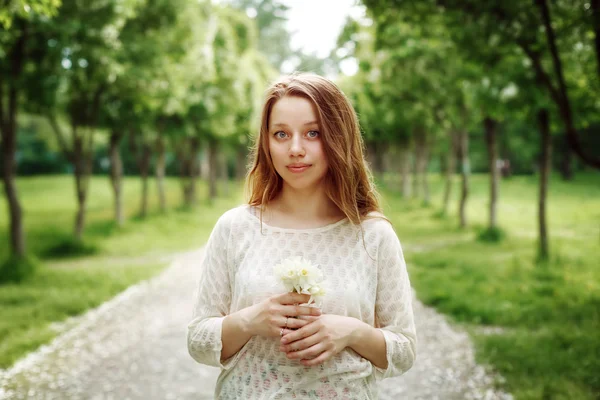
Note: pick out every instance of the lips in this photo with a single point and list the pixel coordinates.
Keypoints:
(297, 168)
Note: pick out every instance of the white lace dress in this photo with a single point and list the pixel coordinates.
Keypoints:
(237, 271)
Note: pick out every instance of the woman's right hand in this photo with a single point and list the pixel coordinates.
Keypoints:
(270, 316)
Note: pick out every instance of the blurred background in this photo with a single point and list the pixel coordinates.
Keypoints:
(125, 127)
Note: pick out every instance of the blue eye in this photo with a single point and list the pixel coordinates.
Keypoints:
(280, 134)
(312, 134)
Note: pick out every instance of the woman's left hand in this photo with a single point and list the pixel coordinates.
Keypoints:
(320, 340)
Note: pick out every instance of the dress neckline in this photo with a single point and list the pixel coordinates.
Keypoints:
(251, 210)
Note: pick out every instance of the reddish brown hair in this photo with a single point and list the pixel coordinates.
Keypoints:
(349, 182)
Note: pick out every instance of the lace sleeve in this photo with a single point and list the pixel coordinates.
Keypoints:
(393, 307)
(212, 300)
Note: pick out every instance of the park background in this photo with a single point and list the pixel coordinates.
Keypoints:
(125, 132)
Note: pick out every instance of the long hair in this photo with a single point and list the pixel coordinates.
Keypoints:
(349, 183)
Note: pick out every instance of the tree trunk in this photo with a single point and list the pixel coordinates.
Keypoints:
(194, 171)
(465, 170)
(423, 172)
(421, 156)
(241, 162)
(405, 170)
(566, 164)
(416, 165)
(545, 164)
(8, 144)
(375, 157)
(17, 237)
(490, 126)
(561, 97)
(183, 173)
(160, 173)
(224, 173)
(595, 5)
(144, 167)
(212, 168)
(450, 170)
(116, 175)
(82, 166)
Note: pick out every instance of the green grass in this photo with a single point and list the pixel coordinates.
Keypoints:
(548, 346)
(117, 256)
(54, 294)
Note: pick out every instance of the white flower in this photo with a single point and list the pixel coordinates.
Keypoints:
(299, 275)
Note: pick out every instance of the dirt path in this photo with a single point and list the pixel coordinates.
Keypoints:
(134, 347)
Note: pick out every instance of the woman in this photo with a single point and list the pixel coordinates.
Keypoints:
(310, 195)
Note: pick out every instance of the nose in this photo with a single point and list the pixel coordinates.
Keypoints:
(296, 147)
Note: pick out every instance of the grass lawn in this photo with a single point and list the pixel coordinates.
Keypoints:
(548, 342)
(547, 317)
(124, 256)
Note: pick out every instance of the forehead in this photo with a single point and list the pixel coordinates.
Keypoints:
(292, 111)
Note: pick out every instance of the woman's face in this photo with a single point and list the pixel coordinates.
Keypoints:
(295, 143)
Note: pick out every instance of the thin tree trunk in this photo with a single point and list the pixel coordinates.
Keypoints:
(116, 175)
(420, 164)
(450, 170)
(423, 172)
(184, 174)
(491, 126)
(144, 166)
(223, 173)
(241, 162)
(8, 144)
(465, 170)
(160, 173)
(82, 166)
(194, 168)
(545, 164)
(212, 166)
(595, 5)
(416, 165)
(405, 170)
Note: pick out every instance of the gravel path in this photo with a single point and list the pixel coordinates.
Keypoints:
(133, 347)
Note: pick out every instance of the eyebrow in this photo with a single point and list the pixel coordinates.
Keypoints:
(308, 123)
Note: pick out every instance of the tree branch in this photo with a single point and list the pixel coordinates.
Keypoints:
(2, 111)
(564, 105)
(541, 74)
(60, 137)
(595, 4)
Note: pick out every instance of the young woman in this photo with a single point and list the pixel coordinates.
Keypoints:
(310, 195)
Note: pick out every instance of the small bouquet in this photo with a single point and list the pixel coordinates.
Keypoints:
(300, 276)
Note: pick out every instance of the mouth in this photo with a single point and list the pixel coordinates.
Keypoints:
(298, 168)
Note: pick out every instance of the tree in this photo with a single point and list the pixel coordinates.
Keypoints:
(15, 54)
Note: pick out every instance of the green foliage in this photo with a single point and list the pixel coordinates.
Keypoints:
(17, 269)
(69, 248)
(491, 235)
(26, 9)
(535, 324)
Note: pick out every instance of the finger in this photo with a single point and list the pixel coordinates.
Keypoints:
(308, 318)
(301, 333)
(286, 331)
(302, 344)
(293, 298)
(297, 323)
(317, 360)
(308, 353)
(296, 311)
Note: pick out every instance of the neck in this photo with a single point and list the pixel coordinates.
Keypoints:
(308, 204)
